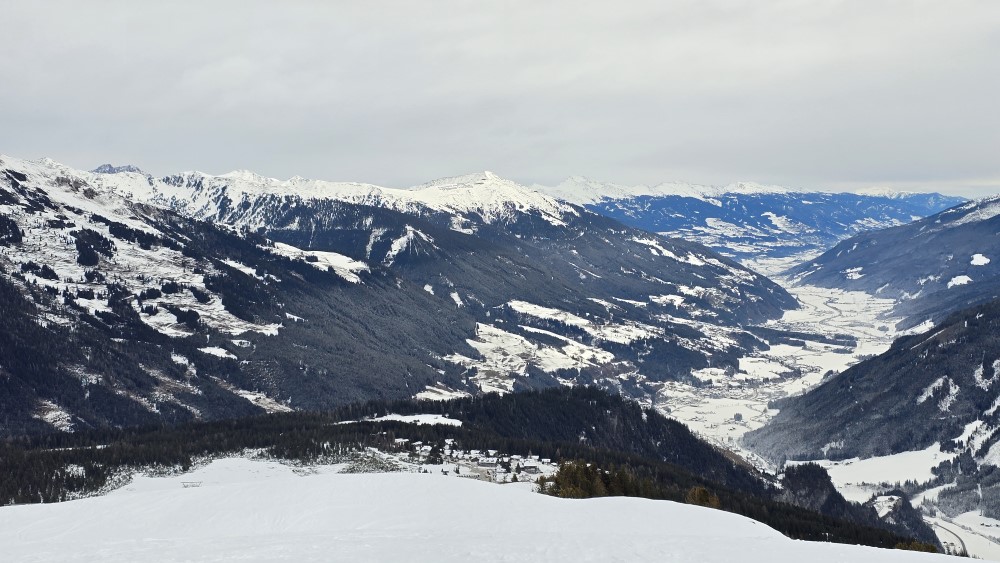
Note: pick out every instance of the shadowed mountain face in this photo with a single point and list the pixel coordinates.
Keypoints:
(934, 266)
(133, 299)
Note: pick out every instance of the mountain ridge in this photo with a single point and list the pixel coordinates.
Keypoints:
(222, 303)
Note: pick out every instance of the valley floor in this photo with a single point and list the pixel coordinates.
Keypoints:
(713, 412)
(731, 405)
(239, 509)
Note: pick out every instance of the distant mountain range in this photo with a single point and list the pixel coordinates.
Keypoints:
(748, 221)
(133, 299)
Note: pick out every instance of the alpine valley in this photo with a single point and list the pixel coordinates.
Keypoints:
(133, 299)
(688, 343)
(924, 413)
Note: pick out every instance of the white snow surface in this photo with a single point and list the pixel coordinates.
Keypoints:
(620, 333)
(972, 212)
(138, 268)
(979, 260)
(418, 419)
(243, 510)
(483, 194)
(853, 477)
(55, 415)
(959, 280)
(885, 504)
(218, 352)
(343, 266)
(492, 198)
(710, 411)
(504, 353)
(930, 389)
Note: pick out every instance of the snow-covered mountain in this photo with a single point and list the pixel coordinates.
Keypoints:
(257, 511)
(483, 196)
(112, 169)
(748, 221)
(934, 266)
(198, 296)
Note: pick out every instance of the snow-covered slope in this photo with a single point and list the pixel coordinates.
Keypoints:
(254, 511)
(748, 221)
(481, 243)
(118, 313)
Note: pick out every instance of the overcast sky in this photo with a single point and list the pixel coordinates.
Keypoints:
(841, 94)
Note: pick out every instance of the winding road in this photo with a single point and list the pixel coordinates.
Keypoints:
(953, 534)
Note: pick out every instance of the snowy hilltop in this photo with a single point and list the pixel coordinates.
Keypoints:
(262, 511)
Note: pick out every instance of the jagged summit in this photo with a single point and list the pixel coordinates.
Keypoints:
(112, 169)
(882, 191)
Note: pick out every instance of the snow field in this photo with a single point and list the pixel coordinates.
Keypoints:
(245, 510)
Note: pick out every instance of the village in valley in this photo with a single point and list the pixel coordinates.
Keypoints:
(484, 465)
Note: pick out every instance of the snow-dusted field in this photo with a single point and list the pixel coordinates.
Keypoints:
(970, 532)
(242, 510)
(857, 479)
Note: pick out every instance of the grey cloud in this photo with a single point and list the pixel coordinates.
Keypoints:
(818, 94)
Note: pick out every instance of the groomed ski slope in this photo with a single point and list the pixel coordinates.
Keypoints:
(246, 510)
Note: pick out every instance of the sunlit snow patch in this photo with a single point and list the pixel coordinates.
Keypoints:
(853, 273)
(55, 415)
(218, 352)
(343, 266)
(402, 243)
(439, 392)
(417, 419)
(959, 280)
(505, 355)
(620, 333)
